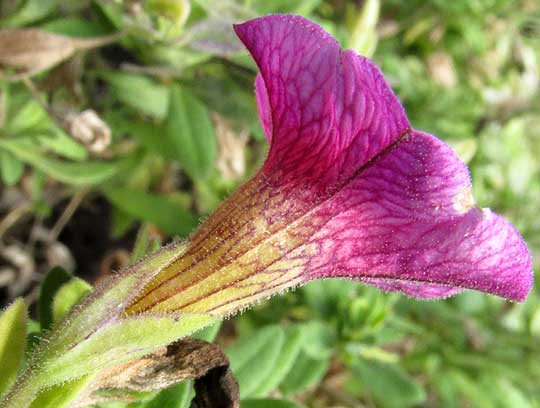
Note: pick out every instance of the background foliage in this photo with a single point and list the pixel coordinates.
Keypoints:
(177, 131)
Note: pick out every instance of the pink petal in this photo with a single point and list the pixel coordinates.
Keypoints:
(405, 224)
(326, 112)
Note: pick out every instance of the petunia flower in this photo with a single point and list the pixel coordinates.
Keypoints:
(349, 189)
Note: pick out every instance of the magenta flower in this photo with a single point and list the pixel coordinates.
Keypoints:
(349, 189)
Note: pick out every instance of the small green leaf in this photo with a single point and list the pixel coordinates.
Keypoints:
(139, 92)
(177, 396)
(11, 168)
(167, 214)
(269, 403)
(80, 174)
(30, 11)
(61, 395)
(55, 279)
(209, 333)
(389, 385)
(12, 342)
(191, 134)
(68, 296)
(286, 358)
(254, 357)
(306, 372)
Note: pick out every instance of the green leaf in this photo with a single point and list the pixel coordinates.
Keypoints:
(55, 279)
(269, 403)
(75, 27)
(254, 357)
(11, 168)
(167, 214)
(12, 342)
(79, 174)
(30, 11)
(139, 92)
(190, 133)
(61, 395)
(305, 374)
(68, 296)
(62, 144)
(177, 396)
(389, 384)
(209, 333)
(286, 358)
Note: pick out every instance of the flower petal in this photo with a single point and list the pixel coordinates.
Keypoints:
(408, 223)
(325, 111)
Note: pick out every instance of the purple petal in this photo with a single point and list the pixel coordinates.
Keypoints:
(326, 112)
(407, 223)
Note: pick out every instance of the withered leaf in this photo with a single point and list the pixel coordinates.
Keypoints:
(30, 51)
(186, 359)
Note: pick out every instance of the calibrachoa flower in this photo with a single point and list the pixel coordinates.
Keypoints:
(349, 189)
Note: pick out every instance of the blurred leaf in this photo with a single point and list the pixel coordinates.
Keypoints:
(74, 27)
(288, 354)
(191, 134)
(28, 12)
(305, 374)
(178, 396)
(86, 173)
(269, 403)
(167, 214)
(208, 333)
(139, 92)
(319, 339)
(11, 168)
(253, 358)
(55, 279)
(389, 384)
(364, 36)
(68, 296)
(12, 342)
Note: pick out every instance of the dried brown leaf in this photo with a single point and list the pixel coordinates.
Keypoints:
(183, 360)
(30, 51)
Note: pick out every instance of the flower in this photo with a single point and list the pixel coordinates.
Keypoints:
(349, 189)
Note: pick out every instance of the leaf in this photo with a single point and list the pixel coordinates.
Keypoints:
(12, 169)
(254, 357)
(209, 333)
(12, 342)
(30, 11)
(389, 385)
(139, 92)
(55, 279)
(190, 133)
(284, 363)
(79, 174)
(177, 396)
(269, 403)
(61, 395)
(306, 372)
(167, 214)
(68, 296)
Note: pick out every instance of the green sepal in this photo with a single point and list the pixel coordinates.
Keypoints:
(116, 343)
